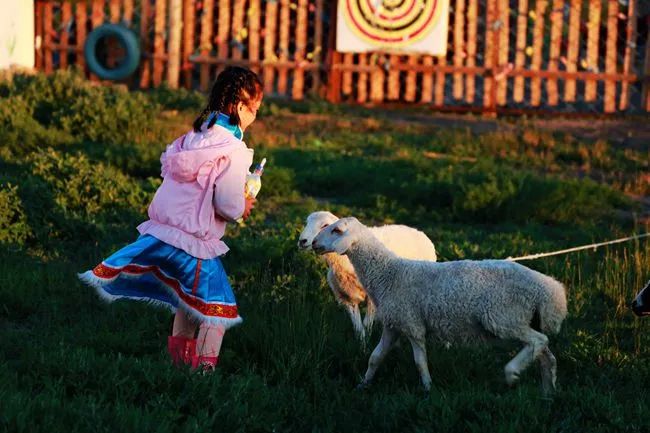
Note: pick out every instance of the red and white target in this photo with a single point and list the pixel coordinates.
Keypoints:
(392, 25)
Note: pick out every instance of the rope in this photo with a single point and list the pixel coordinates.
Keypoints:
(570, 250)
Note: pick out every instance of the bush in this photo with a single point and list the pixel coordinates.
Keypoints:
(13, 221)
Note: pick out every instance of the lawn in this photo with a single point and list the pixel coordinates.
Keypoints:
(79, 164)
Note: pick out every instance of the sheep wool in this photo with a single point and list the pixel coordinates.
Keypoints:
(341, 277)
(458, 301)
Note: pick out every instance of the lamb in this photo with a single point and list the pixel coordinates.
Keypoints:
(348, 292)
(458, 301)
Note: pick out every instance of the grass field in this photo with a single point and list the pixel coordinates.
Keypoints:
(79, 164)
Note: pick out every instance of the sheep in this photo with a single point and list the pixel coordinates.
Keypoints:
(457, 301)
(641, 303)
(348, 292)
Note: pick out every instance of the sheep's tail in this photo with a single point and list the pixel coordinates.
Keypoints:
(553, 309)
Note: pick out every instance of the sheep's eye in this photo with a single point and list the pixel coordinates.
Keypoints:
(323, 226)
(337, 230)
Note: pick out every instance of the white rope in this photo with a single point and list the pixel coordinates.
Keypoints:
(570, 250)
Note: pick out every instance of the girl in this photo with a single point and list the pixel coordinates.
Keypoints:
(175, 261)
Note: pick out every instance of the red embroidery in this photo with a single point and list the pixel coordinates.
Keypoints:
(213, 310)
(197, 274)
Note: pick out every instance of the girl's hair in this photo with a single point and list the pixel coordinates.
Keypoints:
(233, 85)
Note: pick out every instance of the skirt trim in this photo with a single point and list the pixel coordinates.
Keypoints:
(215, 313)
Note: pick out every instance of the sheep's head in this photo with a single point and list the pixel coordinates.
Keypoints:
(316, 222)
(641, 304)
(338, 237)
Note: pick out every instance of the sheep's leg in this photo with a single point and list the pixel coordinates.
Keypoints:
(369, 320)
(548, 366)
(420, 357)
(355, 316)
(388, 337)
(535, 342)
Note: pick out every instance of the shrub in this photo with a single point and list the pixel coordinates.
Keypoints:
(13, 221)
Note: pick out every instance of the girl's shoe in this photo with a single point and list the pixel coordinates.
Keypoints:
(181, 349)
(207, 364)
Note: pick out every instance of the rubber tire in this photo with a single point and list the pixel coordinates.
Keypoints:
(129, 42)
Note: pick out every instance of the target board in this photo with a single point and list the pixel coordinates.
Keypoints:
(412, 26)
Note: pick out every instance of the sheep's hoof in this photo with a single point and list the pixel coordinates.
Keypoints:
(512, 377)
(427, 387)
(362, 386)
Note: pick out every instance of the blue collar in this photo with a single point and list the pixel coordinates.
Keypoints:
(223, 120)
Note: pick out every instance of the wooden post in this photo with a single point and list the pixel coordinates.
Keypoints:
(459, 46)
(174, 42)
(145, 16)
(490, 50)
(362, 82)
(593, 33)
(630, 53)
(223, 32)
(346, 79)
(611, 55)
(285, 23)
(66, 16)
(81, 14)
(411, 77)
(427, 81)
(128, 11)
(557, 23)
(538, 44)
(270, 28)
(503, 50)
(472, 19)
(520, 54)
(298, 87)
(239, 34)
(645, 91)
(189, 12)
(393, 77)
(114, 11)
(318, 44)
(377, 80)
(573, 49)
(439, 92)
(254, 13)
(159, 41)
(48, 17)
(205, 41)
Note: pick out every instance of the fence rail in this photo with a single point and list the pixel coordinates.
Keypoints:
(561, 56)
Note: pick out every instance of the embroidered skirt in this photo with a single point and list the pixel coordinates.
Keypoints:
(153, 271)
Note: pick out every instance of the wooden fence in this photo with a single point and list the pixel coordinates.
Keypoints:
(503, 55)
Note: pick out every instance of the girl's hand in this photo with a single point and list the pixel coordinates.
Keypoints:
(248, 207)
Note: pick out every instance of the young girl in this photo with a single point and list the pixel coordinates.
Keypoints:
(175, 261)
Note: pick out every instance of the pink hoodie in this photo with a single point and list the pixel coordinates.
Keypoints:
(203, 173)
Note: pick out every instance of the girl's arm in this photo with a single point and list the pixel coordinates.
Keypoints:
(229, 200)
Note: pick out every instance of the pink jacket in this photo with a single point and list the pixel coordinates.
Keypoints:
(203, 187)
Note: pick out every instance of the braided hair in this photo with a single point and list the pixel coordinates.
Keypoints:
(232, 86)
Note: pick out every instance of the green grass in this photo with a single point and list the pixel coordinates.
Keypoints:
(68, 198)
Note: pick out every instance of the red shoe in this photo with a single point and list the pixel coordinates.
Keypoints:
(181, 349)
(205, 363)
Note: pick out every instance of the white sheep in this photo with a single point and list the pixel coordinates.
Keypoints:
(402, 240)
(457, 301)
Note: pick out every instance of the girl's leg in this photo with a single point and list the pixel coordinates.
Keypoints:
(208, 344)
(183, 326)
(182, 344)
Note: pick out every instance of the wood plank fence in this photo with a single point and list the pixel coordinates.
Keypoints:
(561, 56)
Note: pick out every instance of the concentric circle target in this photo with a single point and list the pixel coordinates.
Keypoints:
(392, 23)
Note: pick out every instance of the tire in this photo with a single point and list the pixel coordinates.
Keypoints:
(126, 38)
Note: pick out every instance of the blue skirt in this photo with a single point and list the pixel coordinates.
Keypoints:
(153, 271)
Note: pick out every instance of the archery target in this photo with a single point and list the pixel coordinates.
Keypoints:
(387, 25)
